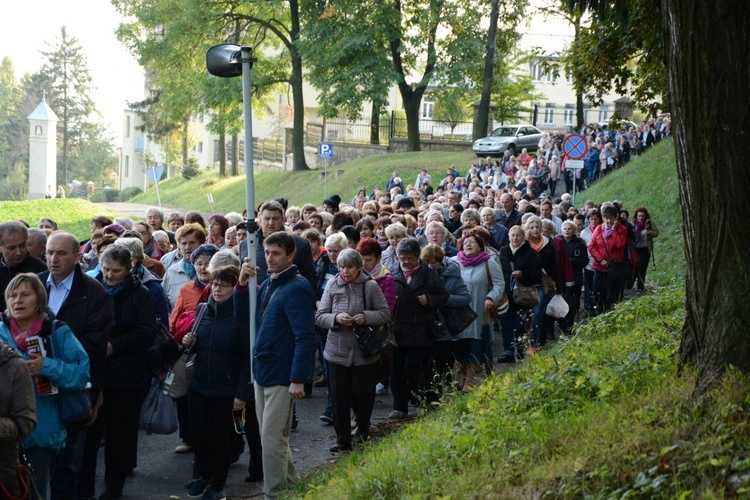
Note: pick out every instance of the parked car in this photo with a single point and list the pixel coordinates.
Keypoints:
(510, 137)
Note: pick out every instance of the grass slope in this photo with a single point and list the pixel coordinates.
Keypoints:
(72, 215)
(302, 187)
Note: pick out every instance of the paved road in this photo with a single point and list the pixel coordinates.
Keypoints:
(138, 210)
(161, 473)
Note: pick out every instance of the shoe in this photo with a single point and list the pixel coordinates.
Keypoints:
(397, 415)
(190, 483)
(254, 477)
(506, 358)
(321, 382)
(381, 390)
(110, 494)
(326, 419)
(336, 448)
(198, 488)
(212, 494)
(184, 448)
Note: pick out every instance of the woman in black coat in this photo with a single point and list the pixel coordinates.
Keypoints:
(579, 258)
(127, 378)
(520, 263)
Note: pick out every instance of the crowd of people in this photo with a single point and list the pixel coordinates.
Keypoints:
(401, 256)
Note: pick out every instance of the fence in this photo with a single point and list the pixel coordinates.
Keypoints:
(271, 150)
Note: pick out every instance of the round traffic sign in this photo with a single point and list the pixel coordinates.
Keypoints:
(575, 146)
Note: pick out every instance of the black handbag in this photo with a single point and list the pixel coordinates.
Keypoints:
(25, 475)
(374, 340)
(163, 352)
(457, 319)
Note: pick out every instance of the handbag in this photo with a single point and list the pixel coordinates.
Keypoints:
(74, 406)
(436, 326)
(457, 319)
(374, 340)
(557, 307)
(163, 351)
(524, 295)
(158, 414)
(177, 382)
(27, 487)
(548, 285)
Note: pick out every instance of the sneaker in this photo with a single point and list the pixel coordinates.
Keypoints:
(184, 448)
(212, 494)
(326, 419)
(198, 488)
(396, 415)
(381, 390)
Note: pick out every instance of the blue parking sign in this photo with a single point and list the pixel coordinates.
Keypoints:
(325, 150)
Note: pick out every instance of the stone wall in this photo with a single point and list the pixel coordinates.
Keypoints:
(398, 145)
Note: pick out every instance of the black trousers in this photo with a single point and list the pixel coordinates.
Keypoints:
(210, 425)
(440, 369)
(608, 288)
(121, 412)
(645, 255)
(352, 387)
(408, 381)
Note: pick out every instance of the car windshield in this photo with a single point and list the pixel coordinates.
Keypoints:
(504, 132)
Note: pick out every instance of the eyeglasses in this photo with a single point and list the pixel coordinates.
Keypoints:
(222, 286)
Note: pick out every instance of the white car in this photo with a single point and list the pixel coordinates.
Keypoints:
(511, 137)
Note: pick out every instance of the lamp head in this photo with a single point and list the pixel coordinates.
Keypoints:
(224, 60)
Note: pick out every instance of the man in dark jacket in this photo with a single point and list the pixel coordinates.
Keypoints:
(272, 221)
(420, 293)
(282, 352)
(82, 303)
(15, 258)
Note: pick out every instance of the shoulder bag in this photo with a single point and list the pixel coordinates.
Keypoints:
(523, 295)
(163, 352)
(25, 475)
(178, 379)
(374, 340)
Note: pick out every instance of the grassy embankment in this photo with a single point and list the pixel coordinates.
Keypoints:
(72, 215)
(301, 187)
(605, 413)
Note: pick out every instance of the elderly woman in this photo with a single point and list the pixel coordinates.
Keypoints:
(326, 270)
(645, 232)
(395, 233)
(351, 299)
(17, 414)
(579, 257)
(484, 279)
(520, 264)
(62, 363)
(127, 378)
(548, 256)
(420, 294)
(147, 278)
(189, 237)
(436, 234)
(150, 246)
(217, 228)
(220, 384)
(458, 296)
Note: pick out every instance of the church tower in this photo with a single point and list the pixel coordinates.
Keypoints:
(42, 152)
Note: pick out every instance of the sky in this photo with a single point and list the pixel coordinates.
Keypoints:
(27, 26)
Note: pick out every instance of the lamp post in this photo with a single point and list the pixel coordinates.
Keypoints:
(227, 61)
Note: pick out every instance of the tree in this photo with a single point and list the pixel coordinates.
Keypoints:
(512, 87)
(452, 105)
(10, 99)
(99, 158)
(171, 37)
(500, 43)
(70, 85)
(708, 70)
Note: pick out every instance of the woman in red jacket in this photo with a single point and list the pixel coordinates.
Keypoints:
(607, 248)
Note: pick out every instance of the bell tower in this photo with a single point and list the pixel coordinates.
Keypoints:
(42, 152)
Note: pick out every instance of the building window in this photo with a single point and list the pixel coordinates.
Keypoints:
(569, 78)
(603, 113)
(536, 72)
(127, 126)
(428, 104)
(550, 77)
(549, 113)
(126, 166)
(217, 157)
(200, 147)
(570, 113)
(139, 144)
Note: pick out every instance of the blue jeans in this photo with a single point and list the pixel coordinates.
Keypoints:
(64, 481)
(538, 321)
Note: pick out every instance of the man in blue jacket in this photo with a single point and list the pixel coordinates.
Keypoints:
(282, 353)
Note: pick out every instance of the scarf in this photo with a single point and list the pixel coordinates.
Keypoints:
(608, 231)
(148, 249)
(198, 283)
(114, 290)
(537, 246)
(409, 273)
(639, 226)
(472, 261)
(20, 336)
(188, 268)
(383, 244)
(376, 269)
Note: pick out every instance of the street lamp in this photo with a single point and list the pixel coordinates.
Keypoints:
(227, 61)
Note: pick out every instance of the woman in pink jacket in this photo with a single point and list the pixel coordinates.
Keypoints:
(607, 248)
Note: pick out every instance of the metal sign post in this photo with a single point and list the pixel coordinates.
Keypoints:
(154, 174)
(575, 148)
(325, 151)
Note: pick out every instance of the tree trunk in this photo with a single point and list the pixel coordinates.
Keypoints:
(236, 158)
(579, 111)
(185, 132)
(295, 80)
(223, 154)
(481, 119)
(375, 124)
(708, 70)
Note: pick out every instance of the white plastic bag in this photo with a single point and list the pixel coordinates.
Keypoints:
(557, 307)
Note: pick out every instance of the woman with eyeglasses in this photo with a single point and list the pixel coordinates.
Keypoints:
(220, 384)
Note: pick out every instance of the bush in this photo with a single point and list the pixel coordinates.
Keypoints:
(128, 193)
(105, 195)
(14, 186)
(191, 169)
